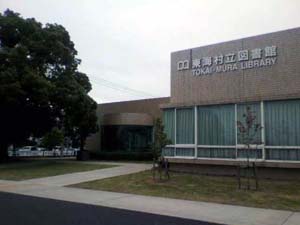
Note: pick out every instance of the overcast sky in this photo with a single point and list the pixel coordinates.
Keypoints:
(126, 44)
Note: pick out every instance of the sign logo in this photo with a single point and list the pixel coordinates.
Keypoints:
(183, 65)
(243, 59)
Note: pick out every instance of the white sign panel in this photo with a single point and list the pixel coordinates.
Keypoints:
(243, 59)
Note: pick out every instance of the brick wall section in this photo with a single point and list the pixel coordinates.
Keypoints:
(279, 81)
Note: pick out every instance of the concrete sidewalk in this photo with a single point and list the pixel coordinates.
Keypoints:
(52, 188)
(74, 178)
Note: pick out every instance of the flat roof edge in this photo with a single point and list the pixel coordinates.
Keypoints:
(137, 100)
(238, 39)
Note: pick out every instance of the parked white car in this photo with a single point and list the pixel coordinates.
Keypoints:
(27, 148)
(75, 151)
(28, 151)
(33, 151)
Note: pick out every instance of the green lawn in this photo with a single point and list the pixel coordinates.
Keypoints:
(271, 194)
(29, 169)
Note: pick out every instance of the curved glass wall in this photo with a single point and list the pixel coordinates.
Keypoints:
(126, 138)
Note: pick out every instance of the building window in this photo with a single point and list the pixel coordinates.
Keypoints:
(185, 152)
(226, 153)
(169, 124)
(185, 123)
(216, 125)
(249, 153)
(283, 154)
(217, 135)
(168, 151)
(282, 123)
(255, 136)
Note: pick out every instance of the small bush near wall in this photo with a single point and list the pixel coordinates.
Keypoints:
(122, 155)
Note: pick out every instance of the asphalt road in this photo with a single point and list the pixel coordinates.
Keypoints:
(26, 210)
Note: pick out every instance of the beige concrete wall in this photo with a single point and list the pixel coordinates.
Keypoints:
(263, 171)
(149, 107)
(142, 119)
(279, 81)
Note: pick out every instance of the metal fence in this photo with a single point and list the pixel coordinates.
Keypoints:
(63, 153)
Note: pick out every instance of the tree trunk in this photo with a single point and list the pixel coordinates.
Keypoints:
(82, 143)
(83, 155)
(3, 152)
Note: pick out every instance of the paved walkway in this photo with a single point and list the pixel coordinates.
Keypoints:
(53, 188)
(74, 178)
(28, 210)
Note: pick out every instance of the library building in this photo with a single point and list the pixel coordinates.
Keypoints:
(217, 91)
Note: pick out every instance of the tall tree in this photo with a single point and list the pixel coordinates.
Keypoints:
(248, 129)
(54, 138)
(39, 79)
(160, 139)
